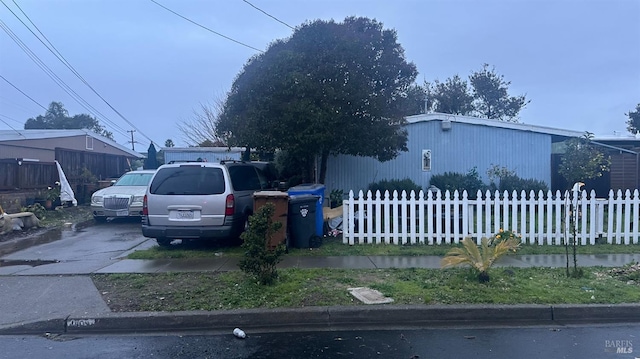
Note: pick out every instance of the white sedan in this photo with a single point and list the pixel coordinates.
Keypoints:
(123, 198)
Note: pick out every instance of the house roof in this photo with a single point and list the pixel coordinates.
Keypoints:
(621, 142)
(17, 135)
(618, 138)
(493, 123)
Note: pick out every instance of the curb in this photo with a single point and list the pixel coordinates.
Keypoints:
(596, 313)
(333, 318)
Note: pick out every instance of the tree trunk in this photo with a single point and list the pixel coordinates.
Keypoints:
(323, 167)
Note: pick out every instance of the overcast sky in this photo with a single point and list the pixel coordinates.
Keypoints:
(577, 61)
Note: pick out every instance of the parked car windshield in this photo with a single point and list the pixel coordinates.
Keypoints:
(134, 179)
(188, 180)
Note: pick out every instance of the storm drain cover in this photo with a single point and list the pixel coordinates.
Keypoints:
(369, 296)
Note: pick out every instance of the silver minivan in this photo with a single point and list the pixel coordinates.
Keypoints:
(201, 200)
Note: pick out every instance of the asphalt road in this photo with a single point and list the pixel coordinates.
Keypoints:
(579, 342)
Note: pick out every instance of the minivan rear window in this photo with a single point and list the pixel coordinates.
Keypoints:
(244, 178)
(188, 180)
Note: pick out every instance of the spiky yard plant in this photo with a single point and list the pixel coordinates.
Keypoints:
(260, 261)
(481, 258)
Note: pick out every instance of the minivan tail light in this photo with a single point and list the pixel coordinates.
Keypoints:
(145, 208)
(229, 205)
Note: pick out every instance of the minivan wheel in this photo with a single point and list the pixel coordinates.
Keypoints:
(163, 242)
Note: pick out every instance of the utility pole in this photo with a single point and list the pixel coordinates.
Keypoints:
(133, 146)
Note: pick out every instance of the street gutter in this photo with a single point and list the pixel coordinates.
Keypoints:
(332, 318)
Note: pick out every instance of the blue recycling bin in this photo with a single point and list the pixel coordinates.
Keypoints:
(317, 190)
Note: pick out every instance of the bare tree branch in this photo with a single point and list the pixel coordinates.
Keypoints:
(201, 128)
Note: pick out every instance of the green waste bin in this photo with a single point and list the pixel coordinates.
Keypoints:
(302, 220)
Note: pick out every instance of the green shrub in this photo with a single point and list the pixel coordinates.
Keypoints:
(37, 209)
(452, 181)
(512, 183)
(336, 197)
(394, 185)
(260, 261)
(481, 258)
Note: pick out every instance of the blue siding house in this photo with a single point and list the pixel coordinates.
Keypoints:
(441, 143)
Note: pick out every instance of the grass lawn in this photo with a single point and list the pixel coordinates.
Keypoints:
(335, 247)
(325, 287)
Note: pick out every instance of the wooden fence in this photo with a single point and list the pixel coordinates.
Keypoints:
(26, 175)
(542, 219)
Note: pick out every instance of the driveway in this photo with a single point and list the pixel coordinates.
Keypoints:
(76, 250)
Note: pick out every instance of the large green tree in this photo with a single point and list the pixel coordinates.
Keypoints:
(57, 118)
(330, 88)
(415, 102)
(486, 95)
(633, 124)
(491, 97)
(452, 96)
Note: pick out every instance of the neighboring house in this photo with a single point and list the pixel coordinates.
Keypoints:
(624, 152)
(81, 153)
(208, 154)
(440, 143)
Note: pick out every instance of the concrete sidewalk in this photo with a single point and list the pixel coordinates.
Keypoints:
(224, 264)
(64, 302)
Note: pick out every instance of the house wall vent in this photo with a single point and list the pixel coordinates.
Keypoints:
(446, 125)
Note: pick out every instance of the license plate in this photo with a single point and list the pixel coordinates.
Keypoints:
(185, 214)
(122, 213)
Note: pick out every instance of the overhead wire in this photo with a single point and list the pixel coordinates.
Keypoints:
(6, 123)
(23, 107)
(10, 118)
(66, 88)
(49, 45)
(204, 27)
(29, 97)
(269, 15)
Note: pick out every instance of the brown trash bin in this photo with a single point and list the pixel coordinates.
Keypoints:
(281, 203)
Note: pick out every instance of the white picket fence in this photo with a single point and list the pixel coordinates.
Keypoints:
(437, 218)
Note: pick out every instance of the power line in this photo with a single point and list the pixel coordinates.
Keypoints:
(62, 59)
(29, 97)
(269, 15)
(11, 118)
(204, 27)
(66, 88)
(21, 107)
(6, 123)
(58, 81)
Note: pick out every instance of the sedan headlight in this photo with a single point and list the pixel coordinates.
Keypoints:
(96, 199)
(138, 199)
